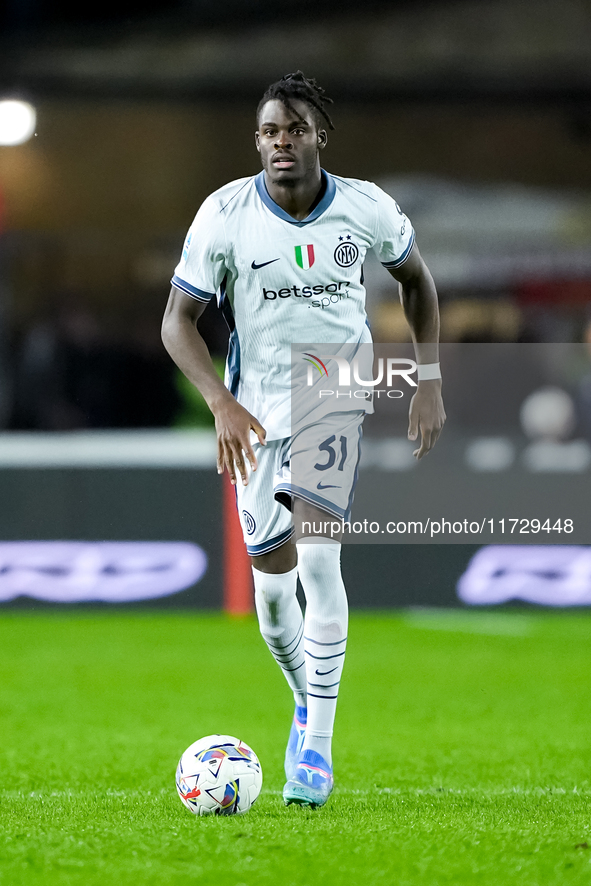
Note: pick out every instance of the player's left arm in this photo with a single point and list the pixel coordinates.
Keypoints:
(421, 309)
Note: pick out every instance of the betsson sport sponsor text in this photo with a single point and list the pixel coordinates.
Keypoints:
(332, 293)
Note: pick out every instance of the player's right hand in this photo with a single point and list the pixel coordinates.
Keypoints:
(426, 416)
(233, 424)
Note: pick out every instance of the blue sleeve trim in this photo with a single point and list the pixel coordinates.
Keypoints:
(199, 294)
(399, 261)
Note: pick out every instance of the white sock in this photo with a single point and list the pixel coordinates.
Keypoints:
(325, 638)
(282, 625)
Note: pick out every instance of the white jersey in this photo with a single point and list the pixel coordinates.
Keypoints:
(281, 281)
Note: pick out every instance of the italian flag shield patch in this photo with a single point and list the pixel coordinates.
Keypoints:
(304, 256)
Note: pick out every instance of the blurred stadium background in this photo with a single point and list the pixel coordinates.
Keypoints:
(475, 115)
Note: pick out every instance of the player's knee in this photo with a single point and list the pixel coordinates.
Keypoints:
(320, 573)
(273, 595)
(273, 598)
(318, 556)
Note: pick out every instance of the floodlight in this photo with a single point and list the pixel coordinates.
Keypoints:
(17, 121)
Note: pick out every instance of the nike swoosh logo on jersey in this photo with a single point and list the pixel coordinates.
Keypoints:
(327, 486)
(324, 673)
(255, 267)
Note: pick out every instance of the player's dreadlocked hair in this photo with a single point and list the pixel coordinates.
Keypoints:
(297, 87)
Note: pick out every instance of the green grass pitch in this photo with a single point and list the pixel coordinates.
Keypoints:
(462, 752)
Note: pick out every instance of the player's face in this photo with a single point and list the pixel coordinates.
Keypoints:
(289, 143)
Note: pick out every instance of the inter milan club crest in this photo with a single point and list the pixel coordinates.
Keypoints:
(249, 522)
(346, 253)
(304, 256)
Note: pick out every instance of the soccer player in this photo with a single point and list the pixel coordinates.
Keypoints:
(270, 246)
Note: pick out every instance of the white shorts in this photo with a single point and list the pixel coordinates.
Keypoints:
(319, 464)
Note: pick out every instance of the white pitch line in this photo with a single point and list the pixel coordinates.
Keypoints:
(496, 624)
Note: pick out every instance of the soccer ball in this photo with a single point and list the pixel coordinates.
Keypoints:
(219, 775)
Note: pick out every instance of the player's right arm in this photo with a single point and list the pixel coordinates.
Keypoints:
(186, 346)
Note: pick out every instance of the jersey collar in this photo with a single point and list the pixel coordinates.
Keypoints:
(327, 198)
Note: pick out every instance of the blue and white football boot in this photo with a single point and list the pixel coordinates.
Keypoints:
(295, 741)
(312, 783)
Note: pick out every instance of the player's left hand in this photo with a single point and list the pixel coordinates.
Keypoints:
(427, 415)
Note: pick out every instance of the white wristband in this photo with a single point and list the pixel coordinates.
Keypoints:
(426, 371)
